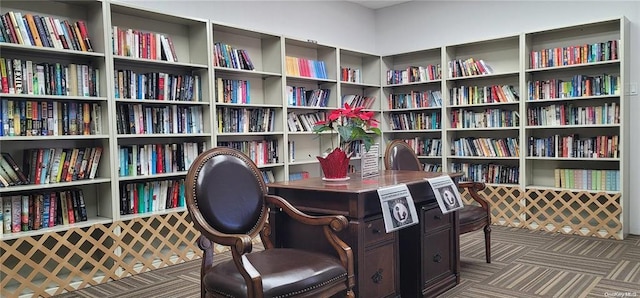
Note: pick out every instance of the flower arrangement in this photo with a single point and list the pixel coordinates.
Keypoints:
(352, 124)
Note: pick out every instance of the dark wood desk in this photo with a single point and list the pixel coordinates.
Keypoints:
(420, 260)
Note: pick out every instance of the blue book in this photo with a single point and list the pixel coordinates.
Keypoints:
(46, 203)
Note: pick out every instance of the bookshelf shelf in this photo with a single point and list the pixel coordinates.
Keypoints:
(162, 102)
(245, 73)
(59, 228)
(153, 176)
(34, 50)
(156, 63)
(37, 187)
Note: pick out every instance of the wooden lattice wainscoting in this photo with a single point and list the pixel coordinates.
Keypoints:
(506, 202)
(574, 212)
(57, 262)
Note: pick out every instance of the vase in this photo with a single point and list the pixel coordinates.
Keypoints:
(335, 165)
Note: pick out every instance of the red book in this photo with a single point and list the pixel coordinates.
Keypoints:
(38, 170)
(53, 205)
(159, 159)
(84, 33)
(69, 210)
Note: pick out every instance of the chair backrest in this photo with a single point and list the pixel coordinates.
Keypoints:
(225, 194)
(400, 156)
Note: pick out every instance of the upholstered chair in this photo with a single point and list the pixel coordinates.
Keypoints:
(400, 156)
(228, 202)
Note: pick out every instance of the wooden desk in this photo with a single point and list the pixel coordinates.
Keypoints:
(420, 260)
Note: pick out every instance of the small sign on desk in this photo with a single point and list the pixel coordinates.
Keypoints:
(369, 161)
(398, 210)
(446, 193)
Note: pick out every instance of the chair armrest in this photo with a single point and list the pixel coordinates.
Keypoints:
(330, 223)
(473, 188)
(336, 222)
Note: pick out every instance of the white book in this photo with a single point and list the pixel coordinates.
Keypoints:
(95, 162)
(6, 209)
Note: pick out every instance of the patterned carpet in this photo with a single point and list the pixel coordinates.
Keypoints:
(524, 264)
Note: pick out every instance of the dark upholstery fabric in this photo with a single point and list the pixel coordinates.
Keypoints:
(403, 158)
(230, 198)
(284, 272)
(471, 213)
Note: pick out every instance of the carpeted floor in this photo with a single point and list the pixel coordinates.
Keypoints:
(524, 264)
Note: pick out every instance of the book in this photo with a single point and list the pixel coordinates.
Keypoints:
(82, 206)
(6, 210)
(10, 171)
(16, 214)
(94, 163)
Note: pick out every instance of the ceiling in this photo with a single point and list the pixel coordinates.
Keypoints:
(374, 4)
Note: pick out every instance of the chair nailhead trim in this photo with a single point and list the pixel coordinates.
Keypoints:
(293, 293)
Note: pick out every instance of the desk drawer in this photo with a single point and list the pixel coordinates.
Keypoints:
(375, 232)
(433, 219)
(437, 255)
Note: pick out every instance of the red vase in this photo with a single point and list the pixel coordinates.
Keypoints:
(335, 165)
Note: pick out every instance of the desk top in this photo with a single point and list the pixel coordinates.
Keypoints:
(358, 185)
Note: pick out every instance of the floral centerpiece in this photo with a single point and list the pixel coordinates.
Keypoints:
(352, 124)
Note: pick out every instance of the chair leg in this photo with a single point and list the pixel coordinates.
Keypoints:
(487, 242)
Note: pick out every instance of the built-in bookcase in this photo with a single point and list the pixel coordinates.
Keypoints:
(35, 131)
(551, 192)
(255, 90)
(482, 115)
(301, 59)
(577, 109)
(162, 104)
(360, 87)
(411, 103)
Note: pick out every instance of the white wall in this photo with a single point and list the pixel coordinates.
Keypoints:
(335, 23)
(420, 25)
(427, 24)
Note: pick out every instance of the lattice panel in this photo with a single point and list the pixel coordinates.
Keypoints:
(506, 204)
(57, 262)
(582, 213)
(155, 242)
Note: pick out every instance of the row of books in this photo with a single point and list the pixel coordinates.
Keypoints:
(304, 122)
(151, 196)
(233, 91)
(157, 85)
(234, 120)
(574, 146)
(140, 44)
(261, 152)
(414, 74)
(486, 147)
(143, 119)
(267, 176)
(301, 97)
(34, 30)
(351, 75)
(355, 101)
(468, 95)
(608, 180)
(468, 67)
(488, 173)
(464, 118)
(225, 55)
(428, 167)
(577, 54)
(30, 212)
(151, 159)
(580, 85)
(569, 114)
(18, 76)
(49, 118)
(50, 165)
(415, 99)
(425, 146)
(303, 67)
(299, 175)
(414, 121)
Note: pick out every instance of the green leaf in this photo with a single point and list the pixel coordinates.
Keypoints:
(376, 130)
(345, 133)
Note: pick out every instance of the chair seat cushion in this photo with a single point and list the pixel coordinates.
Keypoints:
(285, 272)
(471, 214)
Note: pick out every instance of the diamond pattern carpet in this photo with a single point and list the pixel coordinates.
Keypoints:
(524, 264)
